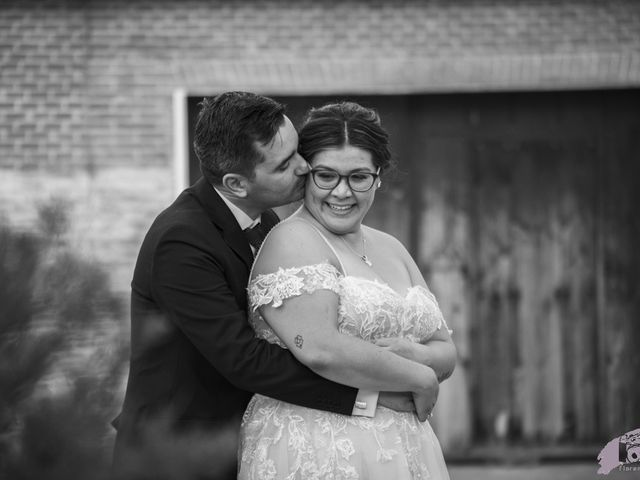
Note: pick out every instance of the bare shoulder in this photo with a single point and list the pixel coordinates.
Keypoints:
(392, 246)
(292, 243)
(386, 241)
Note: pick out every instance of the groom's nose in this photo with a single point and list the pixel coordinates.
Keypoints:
(302, 168)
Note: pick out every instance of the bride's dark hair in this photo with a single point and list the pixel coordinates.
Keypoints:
(346, 123)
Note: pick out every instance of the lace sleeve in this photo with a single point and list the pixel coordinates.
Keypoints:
(274, 288)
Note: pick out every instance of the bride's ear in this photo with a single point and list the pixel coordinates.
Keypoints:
(235, 184)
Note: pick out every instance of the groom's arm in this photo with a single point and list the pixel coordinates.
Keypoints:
(190, 283)
(438, 353)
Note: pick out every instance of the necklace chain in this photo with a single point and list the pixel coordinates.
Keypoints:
(363, 255)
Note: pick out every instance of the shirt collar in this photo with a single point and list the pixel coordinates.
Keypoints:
(244, 220)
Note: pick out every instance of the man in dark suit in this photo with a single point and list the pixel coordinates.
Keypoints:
(195, 360)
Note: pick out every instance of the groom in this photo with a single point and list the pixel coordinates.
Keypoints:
(195, 360)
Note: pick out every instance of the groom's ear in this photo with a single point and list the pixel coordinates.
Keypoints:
(235, 184)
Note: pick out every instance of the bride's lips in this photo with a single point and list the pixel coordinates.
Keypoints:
(340, 209)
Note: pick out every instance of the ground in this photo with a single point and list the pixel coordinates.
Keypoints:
(553, 471)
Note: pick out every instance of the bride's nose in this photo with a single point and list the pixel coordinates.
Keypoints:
(343, 189)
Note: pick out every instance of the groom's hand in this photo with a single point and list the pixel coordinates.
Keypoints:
(398, 401)
(425, 399)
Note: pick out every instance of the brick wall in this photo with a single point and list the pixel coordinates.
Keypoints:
(86, 87)
(88, 84)
(43, 64)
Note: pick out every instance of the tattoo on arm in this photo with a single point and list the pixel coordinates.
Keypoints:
(298, 341)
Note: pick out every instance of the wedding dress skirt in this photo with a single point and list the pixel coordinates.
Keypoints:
(284, 441)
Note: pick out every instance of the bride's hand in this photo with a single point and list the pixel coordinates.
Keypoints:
(425, 398)
(400, 346)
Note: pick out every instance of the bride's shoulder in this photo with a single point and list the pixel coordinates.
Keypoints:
(293, 243)
(391, 245)
(384, 239)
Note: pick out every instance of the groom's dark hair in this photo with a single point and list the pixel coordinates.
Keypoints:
(227, 128)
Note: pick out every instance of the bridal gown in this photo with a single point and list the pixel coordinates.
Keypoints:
(284, 441)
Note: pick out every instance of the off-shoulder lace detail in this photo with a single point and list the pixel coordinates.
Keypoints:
(276, 287)
(273, 288)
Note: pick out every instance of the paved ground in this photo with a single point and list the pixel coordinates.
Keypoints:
(554, 471)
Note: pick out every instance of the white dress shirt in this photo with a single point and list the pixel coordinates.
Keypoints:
(244, 220)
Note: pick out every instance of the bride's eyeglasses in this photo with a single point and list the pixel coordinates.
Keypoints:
(328, 179)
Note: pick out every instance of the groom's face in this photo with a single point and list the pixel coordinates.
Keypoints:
(280, 178)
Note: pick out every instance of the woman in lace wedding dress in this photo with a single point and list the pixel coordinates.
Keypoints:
(322, 278)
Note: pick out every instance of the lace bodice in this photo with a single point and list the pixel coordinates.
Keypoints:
(368, 309)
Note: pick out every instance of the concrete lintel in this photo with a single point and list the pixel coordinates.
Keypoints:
(497, 72)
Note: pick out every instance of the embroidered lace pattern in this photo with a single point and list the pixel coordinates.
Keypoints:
(274, 288)
(280, 440)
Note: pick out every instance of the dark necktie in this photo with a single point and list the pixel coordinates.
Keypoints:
(255, 235)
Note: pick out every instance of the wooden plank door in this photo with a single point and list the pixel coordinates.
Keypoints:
(534, 277)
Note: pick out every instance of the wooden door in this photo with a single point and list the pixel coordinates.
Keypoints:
(519, 201)
(534, 289)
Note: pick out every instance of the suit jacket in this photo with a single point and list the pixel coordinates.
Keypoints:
(195, 360)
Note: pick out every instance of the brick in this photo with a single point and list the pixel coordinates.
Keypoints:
(88, 85)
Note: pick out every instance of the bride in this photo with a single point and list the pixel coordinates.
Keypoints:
(322, 276)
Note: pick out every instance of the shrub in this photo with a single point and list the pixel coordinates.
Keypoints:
(61, 356)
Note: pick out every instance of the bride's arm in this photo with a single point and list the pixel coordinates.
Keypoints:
(308, 324)
(438, 352)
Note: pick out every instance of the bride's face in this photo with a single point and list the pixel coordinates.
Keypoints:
(340, 209)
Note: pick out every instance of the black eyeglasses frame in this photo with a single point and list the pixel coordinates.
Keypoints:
(375, 176)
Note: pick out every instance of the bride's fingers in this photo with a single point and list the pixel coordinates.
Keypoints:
(423, 406)
(422, 415)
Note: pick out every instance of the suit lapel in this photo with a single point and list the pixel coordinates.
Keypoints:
(222, 217)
